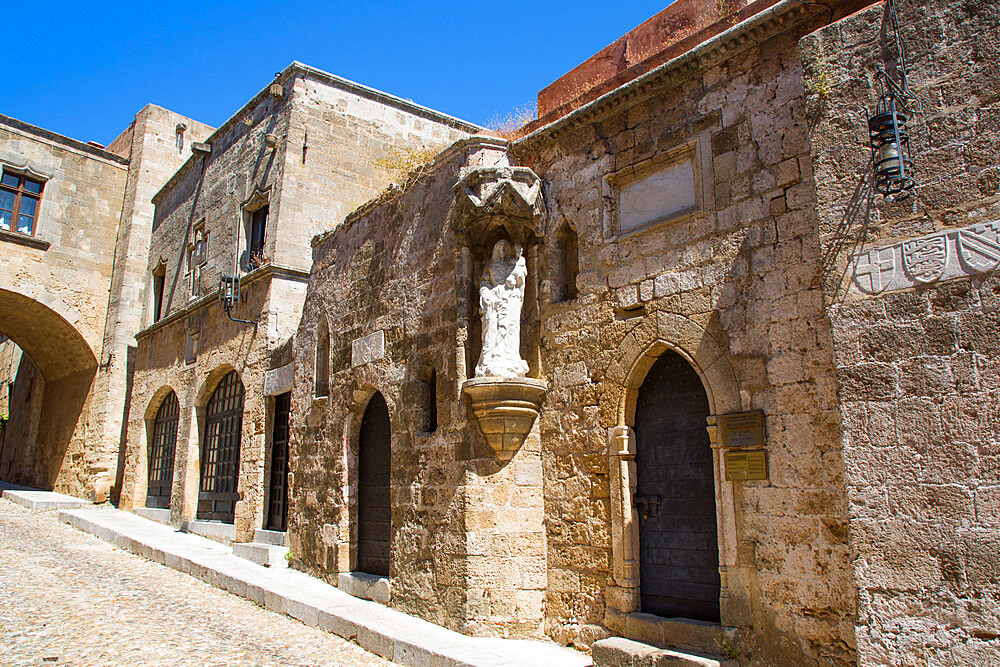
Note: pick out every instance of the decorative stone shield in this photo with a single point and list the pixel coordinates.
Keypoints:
(979, 248)
(926, 258)
(874, 270)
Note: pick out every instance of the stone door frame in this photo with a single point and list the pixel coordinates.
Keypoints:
(636, 354)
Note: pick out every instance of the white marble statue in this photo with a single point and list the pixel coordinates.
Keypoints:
(501, 295)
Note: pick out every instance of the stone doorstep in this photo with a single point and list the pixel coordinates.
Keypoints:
(156, 514)
(620, 652)
(213, 530)
(42, 500)
(268, 555)
(389, 633)
(277, 538)
(365, 586)
(679, 634)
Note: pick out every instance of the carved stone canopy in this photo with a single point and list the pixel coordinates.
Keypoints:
(492, 197)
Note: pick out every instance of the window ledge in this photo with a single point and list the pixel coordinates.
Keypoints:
(23, 239)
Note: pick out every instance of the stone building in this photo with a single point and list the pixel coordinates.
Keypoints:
(74, 219)
(664, 365)
(209, 404)
(759, 412)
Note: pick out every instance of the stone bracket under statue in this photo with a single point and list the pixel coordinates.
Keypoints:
(499, 211)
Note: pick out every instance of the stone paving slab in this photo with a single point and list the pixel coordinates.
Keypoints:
(40, 500)
(386, 632)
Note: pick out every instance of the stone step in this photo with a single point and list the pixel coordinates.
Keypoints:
(621, 652)
(42, 500)
(268, 555)
(213, 530)
(275, 537)
(154, 514)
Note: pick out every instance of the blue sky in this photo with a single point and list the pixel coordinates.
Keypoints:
(84, 69)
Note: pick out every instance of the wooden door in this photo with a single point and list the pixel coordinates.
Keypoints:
(220, 451)
(277, 499)
(374, 515)
(675, 494)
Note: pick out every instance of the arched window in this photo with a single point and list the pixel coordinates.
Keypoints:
(564, 264)
(161, 453)
(220, 451)
(323, 360)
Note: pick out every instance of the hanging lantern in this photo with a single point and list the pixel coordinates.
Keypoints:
(888, 135)
(890, 144)
(229, 292)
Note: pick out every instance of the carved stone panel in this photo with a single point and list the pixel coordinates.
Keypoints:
(950, 254)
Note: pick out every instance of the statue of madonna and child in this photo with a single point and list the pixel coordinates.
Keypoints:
(501, 295)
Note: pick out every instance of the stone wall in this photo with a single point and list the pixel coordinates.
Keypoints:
(53, 304)
(304, 146)
(467, 539)
(912, 295)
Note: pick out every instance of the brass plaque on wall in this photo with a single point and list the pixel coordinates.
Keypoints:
(742, 466)
(742, 429)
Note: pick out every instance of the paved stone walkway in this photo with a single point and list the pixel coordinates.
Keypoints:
(69, 598)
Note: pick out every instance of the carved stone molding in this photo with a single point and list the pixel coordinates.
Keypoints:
(490, 197)
(928, 259)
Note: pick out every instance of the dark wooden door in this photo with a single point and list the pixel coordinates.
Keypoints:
(374, 516)
(161, 453)
(220, 451)
(675, 494)
(277, 499)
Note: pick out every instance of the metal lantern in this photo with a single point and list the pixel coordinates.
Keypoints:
(229, 292)
(888, 135)
(890, 144)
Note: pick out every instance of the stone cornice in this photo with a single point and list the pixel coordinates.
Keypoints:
(741, 37)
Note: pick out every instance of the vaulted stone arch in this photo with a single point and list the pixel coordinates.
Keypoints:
(49, 333)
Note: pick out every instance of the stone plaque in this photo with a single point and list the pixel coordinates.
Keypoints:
(742, 429)
(742, 466)
(657, 196)
(368, 349)
(279, 380)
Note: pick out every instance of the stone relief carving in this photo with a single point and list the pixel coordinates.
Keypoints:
(501, 295)
(939, 256)
(368, 349)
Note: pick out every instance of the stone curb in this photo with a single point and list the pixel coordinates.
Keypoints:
(42, 500)
(386, 632)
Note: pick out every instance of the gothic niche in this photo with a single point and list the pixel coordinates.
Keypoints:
(498, 221)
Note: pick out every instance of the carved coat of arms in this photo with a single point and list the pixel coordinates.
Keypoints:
(979, 248)
(926, 258)
(874, 269)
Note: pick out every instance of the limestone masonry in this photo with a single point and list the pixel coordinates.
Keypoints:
(754, 412)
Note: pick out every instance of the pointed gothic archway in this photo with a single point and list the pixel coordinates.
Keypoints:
(162, 447)
(675, 494)
(374, 510)
(220, 451)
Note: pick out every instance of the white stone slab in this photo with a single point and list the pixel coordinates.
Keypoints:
(43, 500)
(279, 380)
(657, 196)
(368, 349)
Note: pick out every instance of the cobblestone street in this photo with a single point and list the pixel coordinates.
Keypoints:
(69, 598)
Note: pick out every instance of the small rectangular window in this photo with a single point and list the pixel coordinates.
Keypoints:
(258, 229)
(19, 198)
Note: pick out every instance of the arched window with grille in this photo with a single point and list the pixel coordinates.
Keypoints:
(220, 451)
(162, 445)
